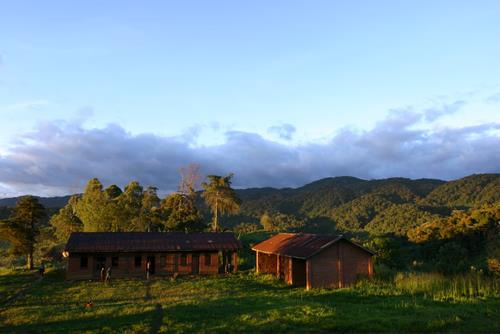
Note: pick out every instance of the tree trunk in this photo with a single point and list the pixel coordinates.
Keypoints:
(216, 218)
(30, 260)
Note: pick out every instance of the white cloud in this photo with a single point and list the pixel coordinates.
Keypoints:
(59, 157)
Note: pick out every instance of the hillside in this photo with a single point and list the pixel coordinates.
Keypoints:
(392, 205)
(350, 204)
(48, 202)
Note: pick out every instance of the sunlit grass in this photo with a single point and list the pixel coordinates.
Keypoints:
(243, 302)
(460, 287)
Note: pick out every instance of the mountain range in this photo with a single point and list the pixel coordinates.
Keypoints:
(391, 205)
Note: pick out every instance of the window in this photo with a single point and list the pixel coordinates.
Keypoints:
(138, 260)
(183, 260)
(114, 261)
(208, 260)
(84, 262)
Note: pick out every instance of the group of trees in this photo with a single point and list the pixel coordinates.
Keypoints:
(139, 209)
(447, 226)
(23, 227)
(112, 209)
(464, 238)
(280, 222)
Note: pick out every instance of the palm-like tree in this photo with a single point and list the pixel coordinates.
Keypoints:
(220, 197)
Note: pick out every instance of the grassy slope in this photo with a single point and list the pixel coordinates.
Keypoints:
(241, 302)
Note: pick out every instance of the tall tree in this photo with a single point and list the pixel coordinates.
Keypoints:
(220, 197)
(22, 228)
(182, 213)
(190, 177)
(266, 222)
(150, 216)
(92, 208)
(180, 207)
(66, 221)
(130, 204)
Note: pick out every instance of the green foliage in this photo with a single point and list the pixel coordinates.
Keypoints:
(266, 222)
(113, 191)
(23, 227)
(461, 240)
(182, 213)
(281, 222)
(470, 191)
(387, 250)
(220, 197)
(465, 287)
(66, 221)
(94, 209)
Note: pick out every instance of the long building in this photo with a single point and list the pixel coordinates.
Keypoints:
(168, 253)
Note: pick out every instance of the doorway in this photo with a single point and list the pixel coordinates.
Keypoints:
(152, 268)
(195, 264)
(99, 263)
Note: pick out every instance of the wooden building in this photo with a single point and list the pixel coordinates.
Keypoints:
(312, 260)
(169, 253)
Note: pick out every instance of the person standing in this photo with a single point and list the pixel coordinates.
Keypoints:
(103, 274)
(108, 275)
(148, 269)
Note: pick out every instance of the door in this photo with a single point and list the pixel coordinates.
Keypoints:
(195, 264)
(151, 260)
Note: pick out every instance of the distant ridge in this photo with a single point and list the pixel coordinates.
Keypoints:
(48, 202)
(317, 198)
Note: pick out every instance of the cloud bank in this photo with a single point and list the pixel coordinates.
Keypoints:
(59, 157)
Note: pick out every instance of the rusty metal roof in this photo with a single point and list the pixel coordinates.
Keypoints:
(299, 245)
(92, 242)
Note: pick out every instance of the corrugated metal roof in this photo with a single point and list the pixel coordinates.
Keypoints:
(150, 241)
(299, 245)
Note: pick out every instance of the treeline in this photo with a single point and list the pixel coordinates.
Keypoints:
(136, 208)
(112, 209)
(420, 224)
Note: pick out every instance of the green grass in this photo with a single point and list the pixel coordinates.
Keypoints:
(13, 283)
(237, 303)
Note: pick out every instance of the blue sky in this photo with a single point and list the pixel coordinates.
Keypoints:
(292, 75)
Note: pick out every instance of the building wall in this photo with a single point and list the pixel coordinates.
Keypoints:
(165, 264)
(323, 268)
(356, 263)
(266, 263)
(286, 269)
(338, 266)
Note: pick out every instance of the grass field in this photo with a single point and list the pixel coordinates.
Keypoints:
(237, 303)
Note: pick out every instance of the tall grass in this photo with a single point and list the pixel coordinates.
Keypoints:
(439, 287)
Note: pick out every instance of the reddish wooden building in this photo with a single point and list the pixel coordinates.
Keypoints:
(312, 260)
(127, 253)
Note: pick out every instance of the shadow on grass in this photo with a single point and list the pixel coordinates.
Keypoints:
(157, 319)
(137, 322)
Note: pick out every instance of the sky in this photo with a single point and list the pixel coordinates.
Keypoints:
(279, 92)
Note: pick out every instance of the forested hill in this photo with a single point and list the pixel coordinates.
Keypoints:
(392, 205)
(48, 202)
(320, 197)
